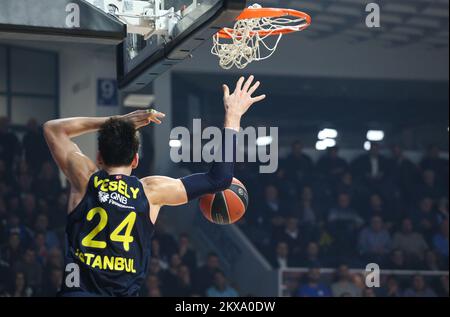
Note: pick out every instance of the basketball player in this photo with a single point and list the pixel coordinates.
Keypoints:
(111, 215)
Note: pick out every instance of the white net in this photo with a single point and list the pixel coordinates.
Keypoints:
(249, 40)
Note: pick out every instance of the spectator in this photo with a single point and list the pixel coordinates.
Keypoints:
(184, 286)
(152, 286)
(347, 185)
(40, 247)
(440, 241)
(283, 181)
(4, 172)
(5, 279)
(419, 288)
(331, 165)
(3, 219)
(433, 161)
(59, 212)
(397, 260)
(371, 166)
(392, 288)
(23, 179)
(155, 268)
(54, 262)
(31, 268)
(272, 210)
(47, 183)
(41, 226)
(53, 284)
(343, 212)
(410, 242)
(170, 277)
(309, 214)
(291, 235)
(168, 245)
(313, 287)
(429, 187)
(12, 252)
(187, 254)
(205, 274)
(359, 281)
(442, 212)
(425, 218)
(220, 287)
(375, 241)
(55, 259)
(343, 284)
(298, 164)
(431, 262)
(21, 287)
(282, 258)
(343, 223)
(156, 253)
(28, 209)
(402, 171)
(312, 257)
(443, 286)
(377, 207)
(368, 292)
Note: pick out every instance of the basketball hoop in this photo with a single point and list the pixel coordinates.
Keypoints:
(248, 40)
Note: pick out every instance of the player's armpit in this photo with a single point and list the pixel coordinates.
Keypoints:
(164, 191)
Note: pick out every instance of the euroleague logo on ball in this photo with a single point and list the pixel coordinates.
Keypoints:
(225, 207)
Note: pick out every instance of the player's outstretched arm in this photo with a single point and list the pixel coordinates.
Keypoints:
(173, 192)
(75, 165)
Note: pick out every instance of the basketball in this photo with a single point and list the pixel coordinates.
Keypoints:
(226, 207)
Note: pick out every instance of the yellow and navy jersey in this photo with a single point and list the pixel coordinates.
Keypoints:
(108, 238)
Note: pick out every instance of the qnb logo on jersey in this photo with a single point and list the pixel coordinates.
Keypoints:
(116, 192)
(103, 197)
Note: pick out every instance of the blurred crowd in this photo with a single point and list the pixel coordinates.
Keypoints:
(331, 213)
(344, 282)
(377, 208)
(33, 209)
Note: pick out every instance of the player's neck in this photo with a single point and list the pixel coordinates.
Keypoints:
(124, 170)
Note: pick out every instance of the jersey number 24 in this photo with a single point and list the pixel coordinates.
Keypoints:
(126, 238)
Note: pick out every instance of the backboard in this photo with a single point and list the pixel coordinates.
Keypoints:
(162, 33)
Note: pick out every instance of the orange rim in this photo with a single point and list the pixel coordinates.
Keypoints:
(258, 13)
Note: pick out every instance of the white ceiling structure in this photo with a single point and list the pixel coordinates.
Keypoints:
(403, 22)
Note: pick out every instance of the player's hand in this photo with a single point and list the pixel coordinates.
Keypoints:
(142, 118)
(237, 103)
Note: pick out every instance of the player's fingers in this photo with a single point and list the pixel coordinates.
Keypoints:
(149, 113)
(160, 114)
(259, 98)
(226, 91)
(239, 84)
(155, 120)
(254, 87)
(248, 83)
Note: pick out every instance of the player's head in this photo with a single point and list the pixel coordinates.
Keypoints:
(118, 144)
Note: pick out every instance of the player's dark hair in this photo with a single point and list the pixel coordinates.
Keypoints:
(118, 142)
